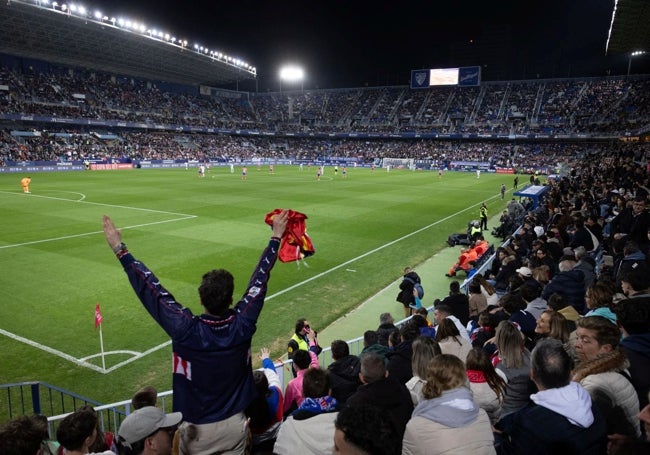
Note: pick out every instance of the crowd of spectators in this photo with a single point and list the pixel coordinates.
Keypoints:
(563, 312)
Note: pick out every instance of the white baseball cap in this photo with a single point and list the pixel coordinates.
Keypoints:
(144, 422)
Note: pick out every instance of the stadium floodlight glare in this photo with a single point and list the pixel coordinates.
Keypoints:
(292, 73)
(98, 15)
(629, 59)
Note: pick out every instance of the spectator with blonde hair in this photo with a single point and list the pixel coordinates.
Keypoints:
(448, 419)
(512, 360)
(424, 349)
(552, 324)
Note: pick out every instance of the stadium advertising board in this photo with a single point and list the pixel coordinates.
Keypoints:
(464, 76)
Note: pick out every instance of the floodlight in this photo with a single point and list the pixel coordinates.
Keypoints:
(98, 15)
(292, 73)
(82, 10)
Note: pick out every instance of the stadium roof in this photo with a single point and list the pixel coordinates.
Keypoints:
(41, 33)
(629, 31)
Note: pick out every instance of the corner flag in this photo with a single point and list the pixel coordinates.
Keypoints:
(98, 316)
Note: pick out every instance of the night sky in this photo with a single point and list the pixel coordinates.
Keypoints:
(358, 43)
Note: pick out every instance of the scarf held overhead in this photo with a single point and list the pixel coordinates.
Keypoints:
(295, 243)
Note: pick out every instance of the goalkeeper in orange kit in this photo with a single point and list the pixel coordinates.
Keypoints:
(25, 184)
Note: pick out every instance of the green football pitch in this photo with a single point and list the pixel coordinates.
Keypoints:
(56, 265)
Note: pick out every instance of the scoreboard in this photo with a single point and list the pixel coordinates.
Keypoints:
(464, 76)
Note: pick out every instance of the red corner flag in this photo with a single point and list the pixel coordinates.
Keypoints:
(98, 316)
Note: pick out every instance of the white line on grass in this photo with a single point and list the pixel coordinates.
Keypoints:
(379, 248)
(183, 216)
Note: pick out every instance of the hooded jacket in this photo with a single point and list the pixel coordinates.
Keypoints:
(561, 420)
(451, 424)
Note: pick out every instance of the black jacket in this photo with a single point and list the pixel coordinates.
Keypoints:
(344, 377)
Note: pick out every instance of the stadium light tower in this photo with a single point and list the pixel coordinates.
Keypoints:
(629, 59)
(292, 73)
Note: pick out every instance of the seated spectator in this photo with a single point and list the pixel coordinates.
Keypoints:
(486, 385)
(365, 430)
(458, 302)
(425, 314)
(477, 301)
(442, 312)
(514, 306)
(146, 396)
(636, 282)
(601, 371)
(598, 300)
(78, 430)
(586, 264)
(399, 359)
(552, 324)
(371, 343)
(343, 372)
(561, 417)
(634, 321)
(311, 426)
(512, 360)
(266, 410)
(421, 323)
(568, 282)
(24, 435)
(487, 290)
(302, 361)
(424, 349)
(450, 341)
(535, 305)
(466, 256)
(147, 431)
(386, 327)
(558, 303)
(448, 419)
(484, 331)
(379, 389)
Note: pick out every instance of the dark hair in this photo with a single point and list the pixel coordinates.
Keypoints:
(394, 338)
(454, 286)
(216, 291)
(315, 383)
(550, 364)
(373, 367)
(21, 436)
(443, 308)
(76, 427)
(302, 359)
(447, 328)
(419, 321)
(529, 292)
(556, 301)
(634, 315)
(300, 324)
(477, 359)
(258, 410)
(370, 429)
(512, 303)
(146, 396)
(370, 337)
(339, 349)
(409, 332)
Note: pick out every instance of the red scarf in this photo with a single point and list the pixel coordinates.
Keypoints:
(476, 376)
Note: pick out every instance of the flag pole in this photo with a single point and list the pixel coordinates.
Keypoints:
(101, 345)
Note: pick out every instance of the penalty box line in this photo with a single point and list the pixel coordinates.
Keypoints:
(181, 217)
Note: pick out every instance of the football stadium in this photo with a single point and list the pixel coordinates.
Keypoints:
(317, 268)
